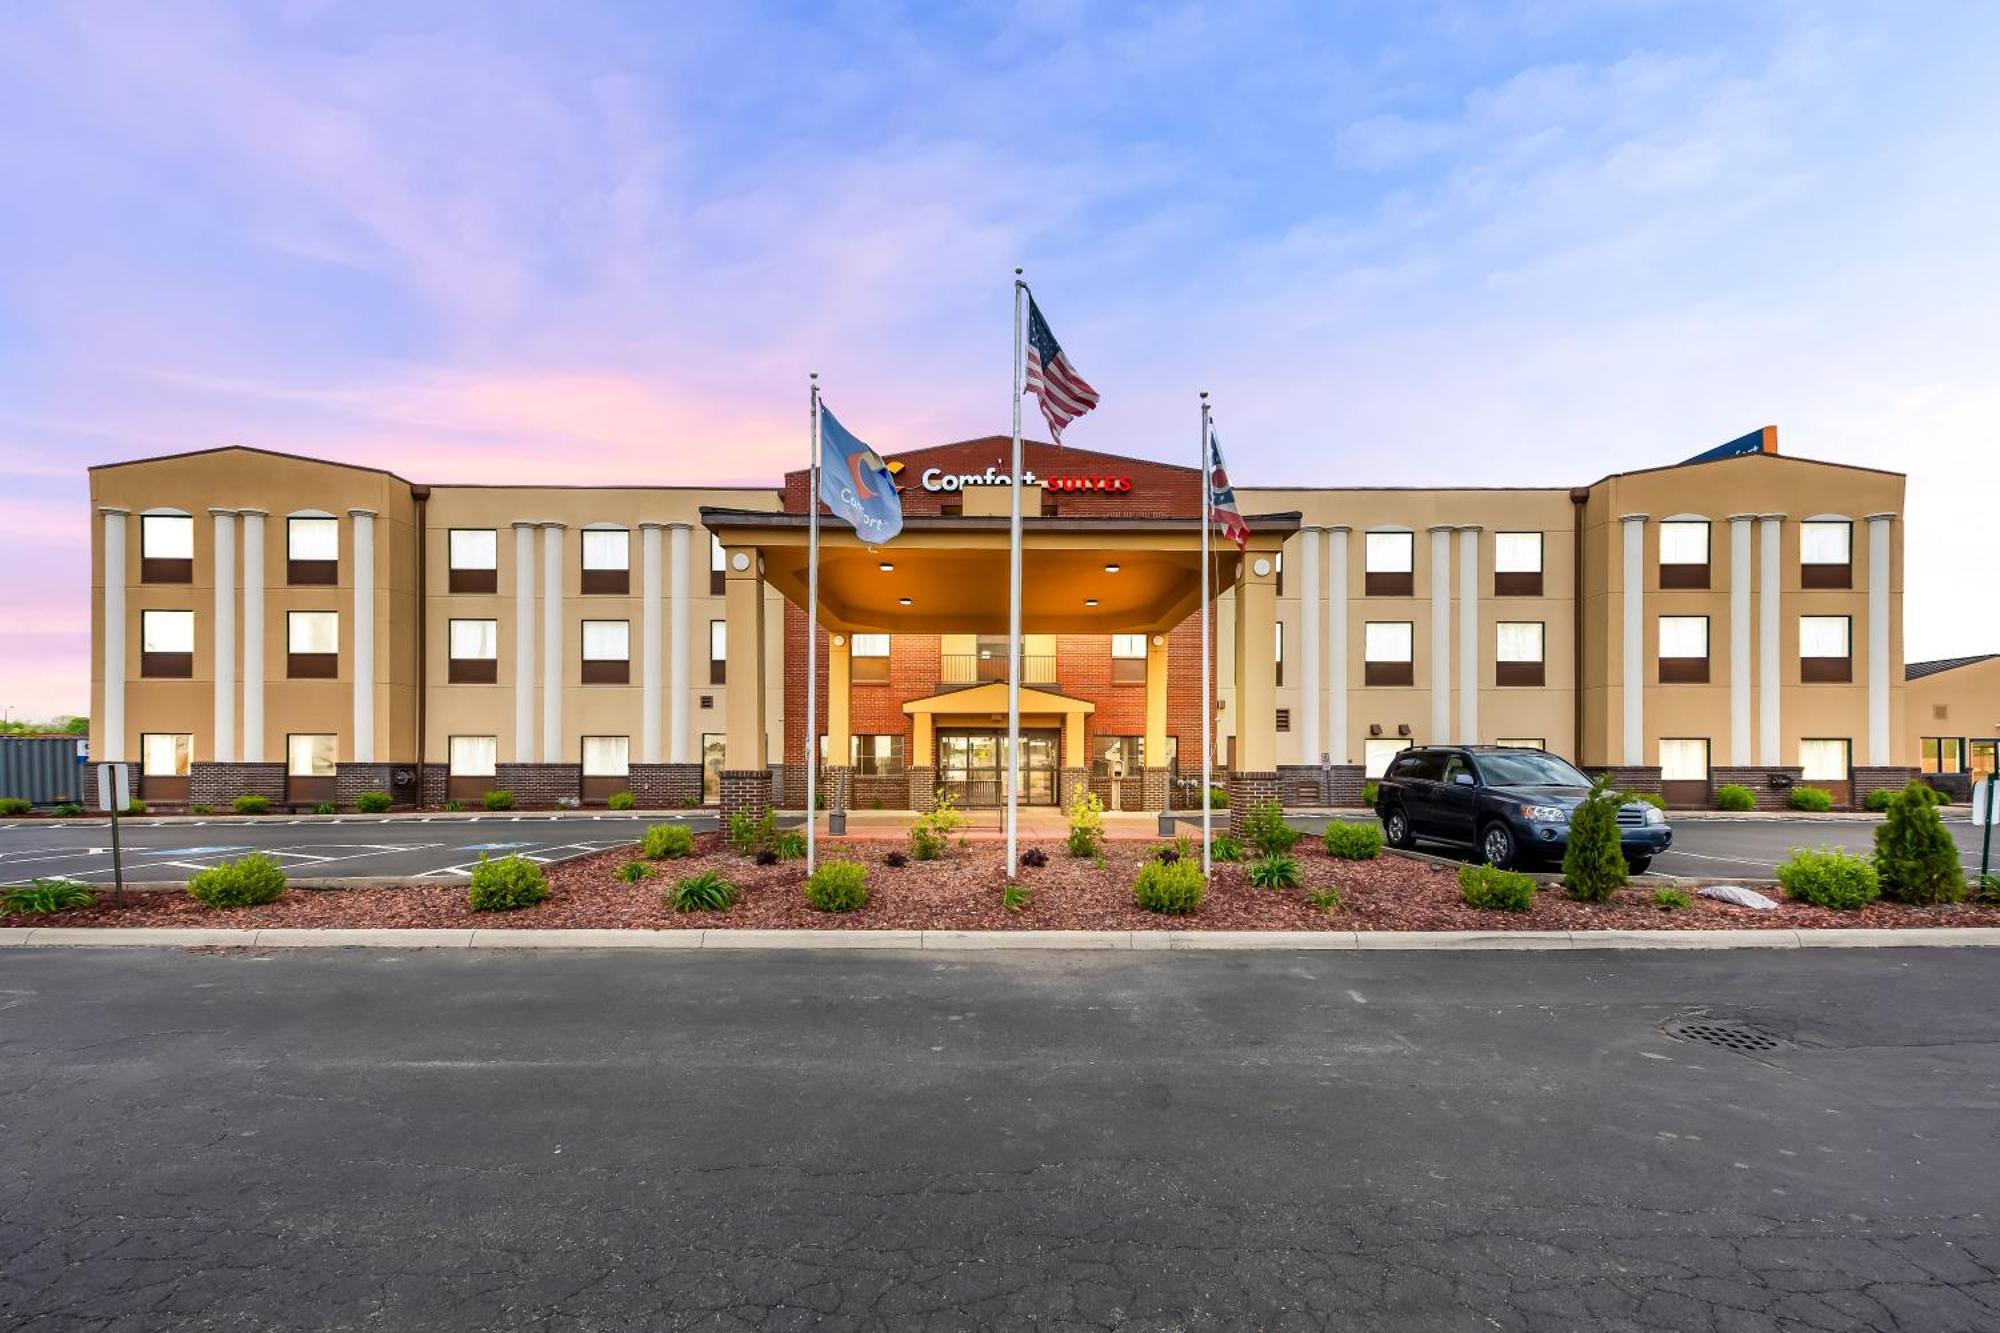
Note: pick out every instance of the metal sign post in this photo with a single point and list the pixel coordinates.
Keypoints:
(114, 793)
(1984, 814)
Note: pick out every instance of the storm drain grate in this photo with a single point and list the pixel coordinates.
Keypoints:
(1743, 1038)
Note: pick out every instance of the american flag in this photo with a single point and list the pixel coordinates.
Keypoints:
(1222, 510)
(1064, 394)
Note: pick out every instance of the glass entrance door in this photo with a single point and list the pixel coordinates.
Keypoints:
(972, 766)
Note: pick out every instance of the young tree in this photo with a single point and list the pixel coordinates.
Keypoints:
(1915, 857)
(1594, 862)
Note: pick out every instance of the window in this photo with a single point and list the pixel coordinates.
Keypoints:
(607, 652)
(712, 752)
(1376, 753)
(1684, 760)
(1523, 743)
(1517, 564)
(472, 556)
(1128, 659)
(312, 550)
(1683, 650)
(1982, 759)
(166, 644)
(310, 756)
(868, 658)
(877, 756)
(1826, 553)
(1824, 760)
(1278, 561)
(165, 754)
(1386, 656)
(1278, 651)
(607, 561)
(1519, 656)
(166, 548)
(1112, 756)
(717, 571)
(1826, 650)
(475, 652)
(1942, 754)
(473, 756)
(718, 652)
(607, 756)
(1390, 562)
(1684, 553)
(312, 644)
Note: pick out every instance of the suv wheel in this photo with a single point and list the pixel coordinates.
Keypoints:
(1396, 827)
(1496, 844)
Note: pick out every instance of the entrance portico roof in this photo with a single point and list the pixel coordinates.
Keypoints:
(949, 575)
(991, 698)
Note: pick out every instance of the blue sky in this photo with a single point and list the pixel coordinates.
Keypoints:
(1508, 243)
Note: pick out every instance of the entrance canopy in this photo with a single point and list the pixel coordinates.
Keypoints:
(949, 575)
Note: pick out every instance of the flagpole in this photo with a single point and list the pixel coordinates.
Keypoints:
(812, 635)
(1207, 708)
(1014, 602)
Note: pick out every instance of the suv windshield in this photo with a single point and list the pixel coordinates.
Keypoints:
(1529, 768)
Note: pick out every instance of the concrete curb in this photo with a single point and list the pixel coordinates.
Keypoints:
(1942, 937)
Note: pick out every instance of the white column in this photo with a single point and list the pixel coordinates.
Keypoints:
(253, 636)
(111, 715)
(1440, 637)
(1632, 688)
(649, 643)
(552, 642)
(1336, 662)
(524, 643)
(1310, 736)
(1740, 560)
(1879, 550)
(223, 746)
(1770, 735)
(680, 748)
(364, 635)
(1468, 635)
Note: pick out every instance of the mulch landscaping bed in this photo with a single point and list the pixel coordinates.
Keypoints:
(963, 893)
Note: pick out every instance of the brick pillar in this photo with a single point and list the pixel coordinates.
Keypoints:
(1246, 790)
(1862, 780)
(350, 780)
(433, 785)
(745, 791)
(1153, 787)
(665, 786)
(1344, 783)
(1071, 779)
(1758, 780)
(923, 787)
(838, 785)
(220, 784)
(539, 786)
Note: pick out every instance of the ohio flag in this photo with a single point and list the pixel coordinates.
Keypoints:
(1222, 510)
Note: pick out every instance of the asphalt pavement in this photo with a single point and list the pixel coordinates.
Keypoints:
(1411, 1142)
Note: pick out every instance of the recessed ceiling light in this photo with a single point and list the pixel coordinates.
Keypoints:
(1111, 569)
(1090, 601)
(904, 600)
(885, 567)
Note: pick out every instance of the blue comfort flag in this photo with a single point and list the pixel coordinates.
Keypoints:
(856, 484)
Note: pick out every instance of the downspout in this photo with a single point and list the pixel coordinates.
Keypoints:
(422, 494)
(1578, 498)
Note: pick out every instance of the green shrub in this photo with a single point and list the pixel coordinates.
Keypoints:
(1916, 860)
(1654, 799)
(1498, 890)
(930, 832)
(1086, 822)
(67, 810)
(1172, 887)
(1326, 899)
(749, 833)
(621, 800)
(1015, 897)
(1736, 797)
(633, 871)
(1276, 871)
(1224, 847)
(1830, 877)
(1218, 798)
(1371, 792)
(838, 886)
(372, 802)
(44, 897)
(201, 809)
(325, 808)
(450, 807)
(1594, 863)
(498, 799)
(790, 845)
(135, 807)
(1989, 890)
(705, 891)
(507, 884)
(1877, 801)
(1353, 842)
(1182, 846)
(666, 842)
(249, 881)
(252, 803)
(1265, 829)
(1672, 900)
(1814, 800)
(12, 807)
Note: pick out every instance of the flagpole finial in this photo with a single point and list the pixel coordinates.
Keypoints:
(1018, 270)
(1204, 393)
(812, 374)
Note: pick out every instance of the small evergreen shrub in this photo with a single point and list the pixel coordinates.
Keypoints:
(201, 809)
(705, 891)
(451, 807)
(498, 799)
(1989, 890)
(1274, 871)
(1916, 860)
(249, 881)
(633, 871)
(666, 842)
(45, 897)
(372, 802)
(1814, 800)
(748, 832)
(1829, 877)
(252, 803)
(505, 885)
(67, 810)
(1265, 829)
(790, 845)
(1086, 822)
(1594, 863)
(1654, 799)
(1326, 899)
(1877, 802)
(1174, 888)
(13, 807)
(838, 886)
(1353, 842)
(1735, 797)
(325, 808)
(1371, 792)
(621, 800)
(1034, 858)
(1225, 847)
(1218, 798)
(1496, 890)
(1672, 900)
(930, 832)
(135, 807)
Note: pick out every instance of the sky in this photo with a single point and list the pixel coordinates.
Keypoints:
(1512, 242)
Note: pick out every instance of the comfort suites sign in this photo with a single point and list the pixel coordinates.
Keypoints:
(940, 479)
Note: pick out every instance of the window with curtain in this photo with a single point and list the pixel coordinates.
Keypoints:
(718, 652)
(1522, 743)
(474, 548)
(607, 640)
(165, 754)
(717, 572)
(1824, 760)
(1386, 641)
(1520, 652)
(1278, 650)
(1377, 752)
(1825, 636)
(1517, 552)
(314, 632)
(607, 548)
(1826, 542)
(166, 631)
(473, 756)
(868, 658)
(1684, 759)
(166, 548)
(312, 539)
(1683, 542)
(475, 639)
(1683, 650)
(1391, 552)
(607, 756)
(1128, 659)
(310, 756)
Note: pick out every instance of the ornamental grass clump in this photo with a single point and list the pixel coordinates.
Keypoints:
(372, 802)
(1735, 797)
(1086, 823)
(838, 886)
(749, 833)
(12, 807)
(1353, 842)
(790, 845)
(250, 803)
(249, 881)
(632, 872)
(1672, 900)
(1812, 800)
(621, 800)
(1274, 872)
(1830, 877)
(704, 891)
(1265, 829)
(498, 799)
(1916, 860)
(930, 832)
(1174, 888)
(506, 885)
(1224, 847)
(1496, 890)
(44, 897)
(666, 842)
(1594, 862)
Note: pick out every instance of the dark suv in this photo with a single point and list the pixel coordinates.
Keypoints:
(1511, 806)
